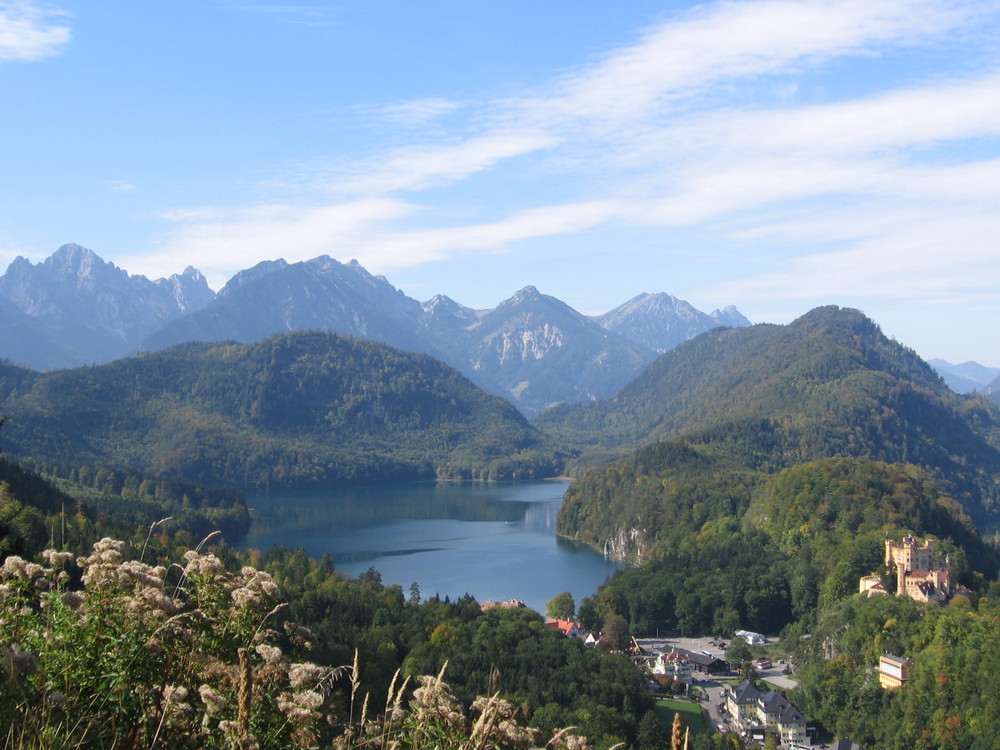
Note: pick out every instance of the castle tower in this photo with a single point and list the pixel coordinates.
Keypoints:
(918, 575)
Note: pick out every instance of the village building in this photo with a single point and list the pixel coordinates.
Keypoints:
(920, 574)
(674, 664)
(756, 713)
(871, 585)
(567, 627)
(703, 663)
(893, 671)
(509, 604)
(752, 639)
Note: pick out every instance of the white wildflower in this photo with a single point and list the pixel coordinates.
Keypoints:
(14, 567)
(213, 700)
(245, 598)
(175, 700)
(270, 654)
(55, 699)
(56, 559)
(72, 600)
(305, 674)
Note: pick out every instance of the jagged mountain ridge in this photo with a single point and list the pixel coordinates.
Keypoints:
(88, 310)
(76, 309)
(542, 352)
(278, 297)
(660, 321)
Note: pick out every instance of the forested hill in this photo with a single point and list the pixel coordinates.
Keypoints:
(294, 410)
(829, 384)
(724, 548)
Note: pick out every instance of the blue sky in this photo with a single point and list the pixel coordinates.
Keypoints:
(772, 154)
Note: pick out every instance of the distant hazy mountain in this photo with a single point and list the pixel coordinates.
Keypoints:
(661, 322)
(531, 348)
(731, 317)
(278, 297)
(26, 342)
(966, 377)
(84, 310)
(537, 350)
(76, 309)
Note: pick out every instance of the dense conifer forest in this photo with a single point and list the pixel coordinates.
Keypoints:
(303, 409)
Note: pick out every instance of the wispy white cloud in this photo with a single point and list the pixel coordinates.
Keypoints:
(917, 117)
(30, 31)
(722, 43)
(403, 249)
(426, 166)
(948, 255)
(416, 112)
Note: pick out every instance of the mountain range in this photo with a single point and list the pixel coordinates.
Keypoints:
(76, 309)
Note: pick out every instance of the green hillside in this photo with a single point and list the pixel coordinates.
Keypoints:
(829, 384)
(722, 548)
(295, 410)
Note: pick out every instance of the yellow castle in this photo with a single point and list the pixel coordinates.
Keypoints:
(920, 573)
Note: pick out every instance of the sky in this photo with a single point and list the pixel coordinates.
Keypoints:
(775, 155)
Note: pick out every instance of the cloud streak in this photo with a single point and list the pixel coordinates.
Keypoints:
(29, 32)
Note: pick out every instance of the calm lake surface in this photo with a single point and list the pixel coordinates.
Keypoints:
(492, 540)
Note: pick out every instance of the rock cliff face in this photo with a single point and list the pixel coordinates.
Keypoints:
(627, 545)
(541, 352)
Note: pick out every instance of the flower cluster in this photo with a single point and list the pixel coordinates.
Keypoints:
(186, 661)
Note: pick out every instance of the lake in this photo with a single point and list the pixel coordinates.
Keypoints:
(492, 540)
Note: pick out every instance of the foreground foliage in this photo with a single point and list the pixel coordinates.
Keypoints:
(133, 658)
(132, 655)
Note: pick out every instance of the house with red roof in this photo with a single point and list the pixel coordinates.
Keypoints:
(567, 627)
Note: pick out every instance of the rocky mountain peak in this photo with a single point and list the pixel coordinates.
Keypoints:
(92, 310)
(659, 321)
(190, 289)
(252, 274)
(730, 316)
(527, 294)
(441, 305)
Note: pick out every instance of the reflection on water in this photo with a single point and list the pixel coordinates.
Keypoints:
(494, 541)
